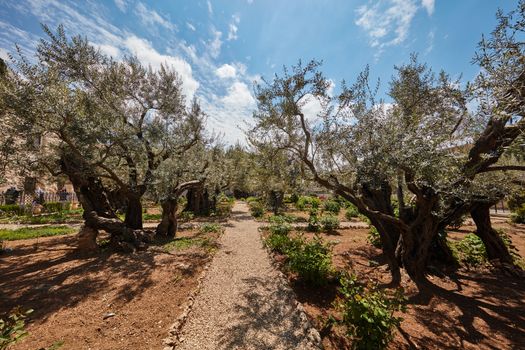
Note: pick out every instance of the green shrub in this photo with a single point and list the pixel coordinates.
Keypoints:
(256, 209)
(518, 216)
(186, 216)
(12, 327)
(56, 207)
(351, 212)
(313, 222)
(373, 237)
(152, 217)
(368, 313)
(282, 243)
(210, 227)
(364, 219)
(12, 209)
(329, 223)
(307, 202)
(279, 219)
(252, 199)
(224, 205)
(311, 260)
(470, 251)
(280, 229)
(332, 206)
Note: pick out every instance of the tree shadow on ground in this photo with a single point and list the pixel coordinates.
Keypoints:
(490, 306)
(265, 318)
(51, 274)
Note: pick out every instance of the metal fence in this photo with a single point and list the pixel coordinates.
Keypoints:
(24, 199)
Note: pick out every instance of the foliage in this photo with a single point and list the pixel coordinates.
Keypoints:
(281, 228)
(307, 202)
(311, 260)
(151, 217)
(282, 243)
(12, 327)
(210, 227)
(186, 216)
(282, 218)
(56, 207)
(470, 251)
(314, 224)
(35, 232)
(351, 212)
(257, 209)
(12, 209)
(373, 237)
(458, 222)
(332, 206)
(224, 205)
(518, 216)
(368, 313)
(184, 243)
(329, 223)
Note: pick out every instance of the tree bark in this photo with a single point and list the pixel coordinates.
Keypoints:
(198, 201)
(168, 225)
(494, 245)
(133, 218)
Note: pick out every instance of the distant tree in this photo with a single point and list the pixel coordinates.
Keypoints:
(426, 143)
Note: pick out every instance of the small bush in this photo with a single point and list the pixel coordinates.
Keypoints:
(186, 216)
(224, 206)
(280, 229)
(518, 216)
(282, 243)
(210, 227)
(256, 209)
(12, 209)
(368, 313)
(252, 199)
(56, 207)
(12, 327)
(311, 260)
(313, 222)
(278, 219)
(470, 251)
(332, 207)
(373, 237)
(329, 223)
(307, 202)
(351, 212)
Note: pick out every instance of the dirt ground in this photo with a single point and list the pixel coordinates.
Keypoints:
(74, 296)
(470, 309)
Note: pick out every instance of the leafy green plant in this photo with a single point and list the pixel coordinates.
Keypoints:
(224, 205)
(329, 223)
(12, 327)
(210, 227)
(470, 251)
(34, 232)
(152, 217)
(56, 207)
(186, 216)
(313, 222)
(280, 229)
(311, 260)
(351, 212)
(332, 207)
(368, 313)
(278, 219)
(307, 202)
(256, 209)
(518, 216)
(12, 209)
(282, 243)
(373, 237)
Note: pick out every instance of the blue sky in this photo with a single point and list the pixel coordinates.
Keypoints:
(221, 47)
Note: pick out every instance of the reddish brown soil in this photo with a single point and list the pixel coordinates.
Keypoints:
(469, 309)
(72, 292)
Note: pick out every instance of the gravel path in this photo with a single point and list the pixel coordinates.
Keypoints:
(244, 302)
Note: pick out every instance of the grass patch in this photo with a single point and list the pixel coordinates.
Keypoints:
(155, 217)
(184, 243)
(34, 232)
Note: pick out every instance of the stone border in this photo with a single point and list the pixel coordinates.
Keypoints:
(173, 339)
(312, 334)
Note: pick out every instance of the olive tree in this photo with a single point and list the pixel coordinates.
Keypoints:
(425, 143)
(110, 123)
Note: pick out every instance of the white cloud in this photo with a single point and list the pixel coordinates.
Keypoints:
(239, 96)
(210, 8)
(430, 46)
(387, 23)
(148, 55)
(109, 50)
(250, 2)
(121, 4)
(428, 5)
(215, 44)
(150, 17)
(191, 26)
(3, 54)
(232, 33)
(226, 71)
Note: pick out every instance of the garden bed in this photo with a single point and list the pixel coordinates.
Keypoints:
(473, 308)
(102, 300)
